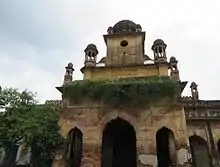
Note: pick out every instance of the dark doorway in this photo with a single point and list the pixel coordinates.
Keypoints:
(73, 151)
(218, 146)
(166, 151)
(199, 150)
(119, 144)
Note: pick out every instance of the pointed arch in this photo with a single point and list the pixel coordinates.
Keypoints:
(74, 145)
(118, 144)
(108, 117)
(166, 149)
(200, 152)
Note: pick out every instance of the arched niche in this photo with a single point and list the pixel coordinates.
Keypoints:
(166, 148)
(74, 147)
(218, 147)
(118, 144)
(199, 151)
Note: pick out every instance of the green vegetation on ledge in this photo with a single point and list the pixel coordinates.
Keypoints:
(140, 91)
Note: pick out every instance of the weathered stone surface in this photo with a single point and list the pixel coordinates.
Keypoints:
(184, 120)
(146, 123)
(146, 160)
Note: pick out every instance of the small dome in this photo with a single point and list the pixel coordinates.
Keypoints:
(70, 65)
(91, 47)
(193, 85)
(172, 59)
(158, 41)
(139, 26)
(125, 26)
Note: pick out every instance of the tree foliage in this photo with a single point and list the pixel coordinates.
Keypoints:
(22, 118)
(11, 98)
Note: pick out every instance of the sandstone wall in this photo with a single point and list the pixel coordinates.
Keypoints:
(91, 120)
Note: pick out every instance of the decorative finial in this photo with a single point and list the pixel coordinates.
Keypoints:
(68, 77)
(174, 69)
(110, 30)
(194, 91)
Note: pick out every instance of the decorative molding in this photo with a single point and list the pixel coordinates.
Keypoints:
(188, 101)
(211, 112)
(52, 102)
(203, 115)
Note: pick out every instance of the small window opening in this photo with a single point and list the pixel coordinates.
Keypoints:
(124, 43)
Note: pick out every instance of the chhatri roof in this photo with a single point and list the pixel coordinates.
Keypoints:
(125, 26)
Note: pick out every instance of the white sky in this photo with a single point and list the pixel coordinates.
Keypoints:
(38, 38)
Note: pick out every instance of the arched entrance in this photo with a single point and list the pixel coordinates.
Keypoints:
(218, 147)
(118, 144)
(73, 150)
(166, 150)
(199, 150)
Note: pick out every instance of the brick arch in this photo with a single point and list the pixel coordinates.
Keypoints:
(200, 132)
(75, 129)
(199, 138)
(115, 114)
(68, 127)
(200, 151)
(179, 135)
(169, 130)
(73, 148)
(159, 128)
(155, 132)
(166, 147)
(169, 127)
(119, 144)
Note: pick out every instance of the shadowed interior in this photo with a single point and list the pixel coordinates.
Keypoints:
(199, 150)
(119, 144)
(163, 151)
(73, 151)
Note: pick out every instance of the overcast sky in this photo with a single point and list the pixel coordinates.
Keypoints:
(39, 37)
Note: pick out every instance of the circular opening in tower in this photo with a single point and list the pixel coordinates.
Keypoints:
(124, 43)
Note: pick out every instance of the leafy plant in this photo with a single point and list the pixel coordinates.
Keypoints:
(139, 91)
(23, 119)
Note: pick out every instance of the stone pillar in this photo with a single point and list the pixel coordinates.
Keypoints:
(172, 150)
(91, 156)
(213, 151)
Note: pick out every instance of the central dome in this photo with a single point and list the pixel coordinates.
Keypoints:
(125, 26)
